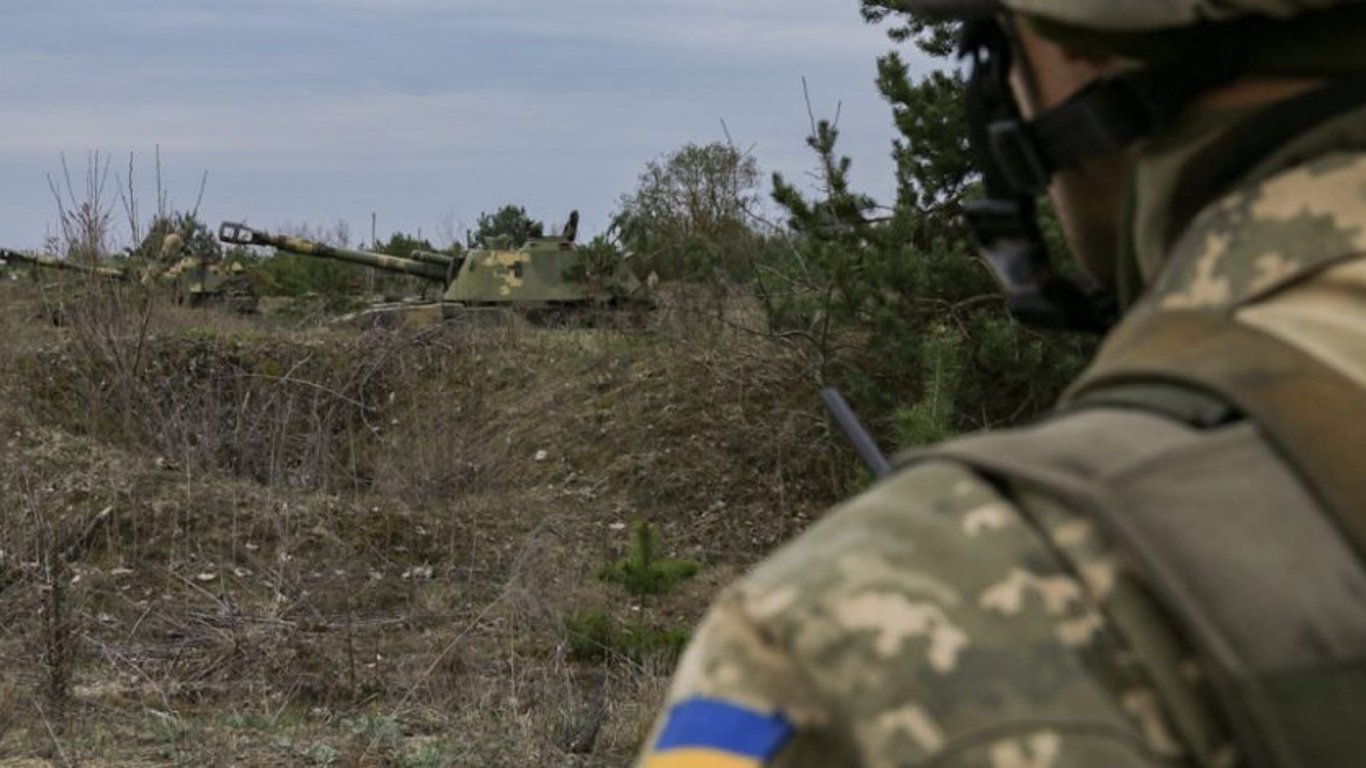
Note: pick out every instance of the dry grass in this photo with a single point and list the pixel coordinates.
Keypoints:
(227, 542)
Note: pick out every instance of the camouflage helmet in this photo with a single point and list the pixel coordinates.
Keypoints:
(1123, 15)
(1278, 37)
(1182, 49)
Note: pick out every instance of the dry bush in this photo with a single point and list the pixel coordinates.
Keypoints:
(366, 544)
(290, 414)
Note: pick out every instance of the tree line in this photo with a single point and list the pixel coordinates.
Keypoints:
(883, 299)
(886, 300)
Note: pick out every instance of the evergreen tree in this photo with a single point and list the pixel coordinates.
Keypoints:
(292, 274)
(511, 222)
(894, 303)
(192, 238)
(400, 244)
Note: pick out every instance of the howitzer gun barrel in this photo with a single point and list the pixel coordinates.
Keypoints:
(241, 234)
(13, 256)
(442, 260)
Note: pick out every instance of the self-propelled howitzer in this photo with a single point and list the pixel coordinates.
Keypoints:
(187, 280)
(18, 257)
(546, 277)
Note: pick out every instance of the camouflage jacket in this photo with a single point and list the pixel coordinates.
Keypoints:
(944, 619)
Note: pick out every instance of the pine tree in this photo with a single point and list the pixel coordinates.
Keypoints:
(893, 303)
(510, 222)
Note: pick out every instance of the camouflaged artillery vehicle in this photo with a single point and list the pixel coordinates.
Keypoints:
(58, 298)
(197, 283)
(194, 276)
(190, 281)
(546, 279)
(18, 257)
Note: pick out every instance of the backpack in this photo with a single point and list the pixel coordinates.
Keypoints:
(1228, 466)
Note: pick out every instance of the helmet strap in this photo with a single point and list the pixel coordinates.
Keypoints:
(1018, 159)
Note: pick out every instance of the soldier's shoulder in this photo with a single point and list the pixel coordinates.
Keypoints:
(935, 533)
(886, 519)
(920, 614)
(1266, 234)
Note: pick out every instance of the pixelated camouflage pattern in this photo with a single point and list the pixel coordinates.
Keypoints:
(1258, 240)
(1283, 251)
(928, 622)
(1125, 15)
(1327, 315)
(544, 269)
(931, 622)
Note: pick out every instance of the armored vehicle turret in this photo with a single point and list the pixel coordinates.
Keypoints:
(195, 282)
(546, 277)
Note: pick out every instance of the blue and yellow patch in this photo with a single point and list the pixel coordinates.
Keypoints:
(709, 733)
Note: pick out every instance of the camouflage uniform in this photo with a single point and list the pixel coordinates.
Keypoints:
(947, 618)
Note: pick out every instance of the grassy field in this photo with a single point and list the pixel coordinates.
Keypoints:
(270, 541)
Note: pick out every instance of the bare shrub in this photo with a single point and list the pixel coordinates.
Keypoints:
(332, 545)
(85, 214)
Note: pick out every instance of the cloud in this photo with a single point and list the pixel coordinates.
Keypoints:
(456, 101)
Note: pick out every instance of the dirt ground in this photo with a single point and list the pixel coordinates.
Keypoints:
(265, 541)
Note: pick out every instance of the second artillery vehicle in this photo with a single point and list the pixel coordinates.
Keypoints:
(189, 280)
(18, 257)
(546, 278)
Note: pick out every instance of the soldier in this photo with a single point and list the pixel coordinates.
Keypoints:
(1168, 570)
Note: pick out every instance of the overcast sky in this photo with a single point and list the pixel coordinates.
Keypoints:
(424, 112)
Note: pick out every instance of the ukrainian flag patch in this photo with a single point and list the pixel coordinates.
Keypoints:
(710, 733)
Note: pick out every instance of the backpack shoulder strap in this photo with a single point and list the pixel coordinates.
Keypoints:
(1309, 410)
